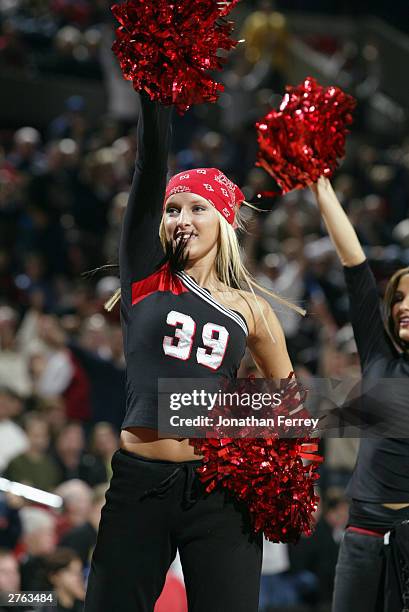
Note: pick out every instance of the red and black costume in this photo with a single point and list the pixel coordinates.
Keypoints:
(172, 328)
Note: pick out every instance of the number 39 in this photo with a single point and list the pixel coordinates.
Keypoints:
(215, 338)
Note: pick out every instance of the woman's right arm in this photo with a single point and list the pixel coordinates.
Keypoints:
(338, 225)
(364, 306)
(140, 250)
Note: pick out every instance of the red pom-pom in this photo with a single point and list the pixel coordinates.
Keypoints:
(268, 474)
(305, 138)
(167, 48)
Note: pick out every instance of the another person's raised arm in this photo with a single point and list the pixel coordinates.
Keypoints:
(364, 304)
(338, 225)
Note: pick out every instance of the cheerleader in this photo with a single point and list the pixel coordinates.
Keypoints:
(379, 488)
(184, 316)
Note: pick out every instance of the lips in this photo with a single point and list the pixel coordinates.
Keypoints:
(404, 323)
(187, 236)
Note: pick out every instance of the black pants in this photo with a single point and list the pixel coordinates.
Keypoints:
(359, 574)
(154, 508)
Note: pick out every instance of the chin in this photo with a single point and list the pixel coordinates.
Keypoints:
(404, 336)
(195, 253)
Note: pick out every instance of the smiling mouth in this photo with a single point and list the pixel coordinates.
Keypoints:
(185, 237)
(404, 323)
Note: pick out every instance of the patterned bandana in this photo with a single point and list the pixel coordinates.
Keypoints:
(211, 184)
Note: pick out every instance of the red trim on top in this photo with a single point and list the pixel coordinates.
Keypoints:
(161, 280)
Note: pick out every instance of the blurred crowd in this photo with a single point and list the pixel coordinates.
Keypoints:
(63, 192)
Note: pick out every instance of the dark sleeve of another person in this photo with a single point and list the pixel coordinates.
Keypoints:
(365, 314)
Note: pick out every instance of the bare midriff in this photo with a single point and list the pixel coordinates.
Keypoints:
(146, 443)
(396, 506)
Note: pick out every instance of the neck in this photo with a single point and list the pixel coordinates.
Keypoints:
(34, 453)
(203, 270)
(203, 277)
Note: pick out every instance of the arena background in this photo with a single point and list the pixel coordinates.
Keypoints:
(67, 151)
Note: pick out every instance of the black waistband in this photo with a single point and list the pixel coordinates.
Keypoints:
(374, 516)
(195, 462)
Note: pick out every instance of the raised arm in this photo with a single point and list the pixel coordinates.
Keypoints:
(140, 249)
(364, 306)
(338, 225)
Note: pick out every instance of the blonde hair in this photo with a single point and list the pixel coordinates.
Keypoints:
(229, 267)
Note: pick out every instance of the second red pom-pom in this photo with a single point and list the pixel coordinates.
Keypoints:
(305, 137)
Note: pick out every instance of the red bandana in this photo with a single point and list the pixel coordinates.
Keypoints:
(211, 184)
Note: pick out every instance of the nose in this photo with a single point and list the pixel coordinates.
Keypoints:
(183, 219)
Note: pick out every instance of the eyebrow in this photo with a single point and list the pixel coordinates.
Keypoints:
(191, 202)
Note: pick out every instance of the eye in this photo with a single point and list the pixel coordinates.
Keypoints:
(198, 207)
(398, 297)
(171, 210)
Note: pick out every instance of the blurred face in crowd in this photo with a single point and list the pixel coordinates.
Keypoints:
(42, 541)
(10, 405)
(105, 440)
(71, 440)
(77, 500)
(9, 574)
(400, 309)
(50, 331)
(69, 580)
(190, 217)
(337, 516)
(8, 322)
(55, 414)
(38, 435)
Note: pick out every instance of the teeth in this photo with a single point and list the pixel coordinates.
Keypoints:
(185, 236)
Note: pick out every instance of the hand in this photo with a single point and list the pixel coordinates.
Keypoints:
(321, 186)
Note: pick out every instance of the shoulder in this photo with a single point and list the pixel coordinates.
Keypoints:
(258, 310)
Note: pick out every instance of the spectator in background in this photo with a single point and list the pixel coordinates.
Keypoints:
(100, 353)
(72, 459)
(103, 443)
(338, 360)
(77, 504)
(39, 539)
(71, 123)
(13, 366)
(35, 467)
(54, 413)
(94, 331)
(115, 217)
(82, 538)
(10, 522)
(9, 574)
(266, 35)
(13, 439)
(57, 372)
(26, 155)
(318, 555)
(63, 574)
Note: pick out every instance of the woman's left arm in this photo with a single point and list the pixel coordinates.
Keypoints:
(270, 356)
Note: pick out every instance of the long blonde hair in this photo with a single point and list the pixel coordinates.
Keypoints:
(229, 266)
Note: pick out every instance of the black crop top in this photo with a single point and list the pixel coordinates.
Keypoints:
(172, 327)
(382, 470)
